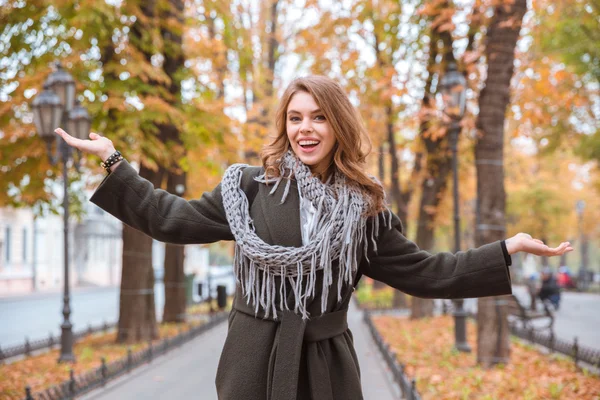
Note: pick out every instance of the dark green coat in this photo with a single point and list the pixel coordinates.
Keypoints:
(295, 359)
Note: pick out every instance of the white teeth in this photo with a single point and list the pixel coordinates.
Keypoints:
(307, 142)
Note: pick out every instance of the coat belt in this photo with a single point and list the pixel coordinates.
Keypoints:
(293, 331)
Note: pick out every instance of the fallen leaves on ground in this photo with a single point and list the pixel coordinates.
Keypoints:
(425, 348)
(42, 371)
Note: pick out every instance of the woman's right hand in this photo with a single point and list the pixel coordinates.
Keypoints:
(98, 145)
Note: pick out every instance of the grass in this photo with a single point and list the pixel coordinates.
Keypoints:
(370, 298)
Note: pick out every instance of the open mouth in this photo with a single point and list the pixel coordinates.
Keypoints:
(308, 144)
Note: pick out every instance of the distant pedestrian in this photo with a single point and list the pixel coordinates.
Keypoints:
(307, 224)
(549, 290)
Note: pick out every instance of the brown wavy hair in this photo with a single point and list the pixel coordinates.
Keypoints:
(352, 141)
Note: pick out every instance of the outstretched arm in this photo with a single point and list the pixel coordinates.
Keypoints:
(159, 214)
(478, 272)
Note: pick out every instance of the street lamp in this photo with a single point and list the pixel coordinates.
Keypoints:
(453, 90)
(52, 108)
(580, 207)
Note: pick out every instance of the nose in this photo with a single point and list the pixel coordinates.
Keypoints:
(306, 126)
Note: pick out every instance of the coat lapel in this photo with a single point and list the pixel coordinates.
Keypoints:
(279, 223)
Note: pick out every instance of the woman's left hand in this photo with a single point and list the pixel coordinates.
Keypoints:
(524, 242)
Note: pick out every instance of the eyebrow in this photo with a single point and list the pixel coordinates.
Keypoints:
(318, 110)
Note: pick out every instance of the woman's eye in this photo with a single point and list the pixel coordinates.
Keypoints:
(294, 119)
(320, 118)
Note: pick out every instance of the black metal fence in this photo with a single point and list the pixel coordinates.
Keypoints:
(29, 347)
(407, 386)
(554, 344)
(83, 383)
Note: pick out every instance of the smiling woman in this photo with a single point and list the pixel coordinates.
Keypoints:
(302, 246)
(317, 121)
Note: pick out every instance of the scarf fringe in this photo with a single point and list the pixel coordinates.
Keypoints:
(341, 227)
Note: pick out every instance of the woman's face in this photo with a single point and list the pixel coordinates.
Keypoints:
(309, 133)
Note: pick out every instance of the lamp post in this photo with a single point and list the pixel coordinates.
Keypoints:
(580, 207)
(52, 108)
(453, 90)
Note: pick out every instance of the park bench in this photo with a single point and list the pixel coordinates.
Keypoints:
(525, 316)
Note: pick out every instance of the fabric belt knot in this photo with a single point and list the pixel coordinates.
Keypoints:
(295, 330)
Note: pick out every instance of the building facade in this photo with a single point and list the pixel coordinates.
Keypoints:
(32, 252)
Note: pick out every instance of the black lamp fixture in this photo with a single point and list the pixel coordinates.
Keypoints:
(55, 106)
(47, 115)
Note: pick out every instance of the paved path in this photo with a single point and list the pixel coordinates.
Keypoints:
(189, 371)
(184, 373)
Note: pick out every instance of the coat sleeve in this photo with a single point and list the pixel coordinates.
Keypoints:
(400, 263)
(159, 214)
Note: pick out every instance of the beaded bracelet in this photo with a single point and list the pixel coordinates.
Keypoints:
(112, 160)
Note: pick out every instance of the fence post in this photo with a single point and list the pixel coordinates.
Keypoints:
(221, 297)
(531, 333)
(71, 382)
(105, 327)
(103, 371)
(28, 393)
(402, 381)
(576, 350)
(129, 360)
(413, 389)
(50, 339)
(1, 355)
(89, 329)
(551, 342)
(27, 346)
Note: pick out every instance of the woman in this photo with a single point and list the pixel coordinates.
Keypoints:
(307, 225)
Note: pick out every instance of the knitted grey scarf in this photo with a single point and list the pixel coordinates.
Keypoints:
(341, 228)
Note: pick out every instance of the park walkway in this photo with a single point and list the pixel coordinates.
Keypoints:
(189, 371)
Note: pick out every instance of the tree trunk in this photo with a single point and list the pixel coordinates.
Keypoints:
(432, 190)
(563, 259)
(399, 300)
(438, 164)
(381, 164)
(401, 208)
(263, 89)
(395, 180)
(174, 278)
(503, 33)
(137, 312)
(421, 308)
